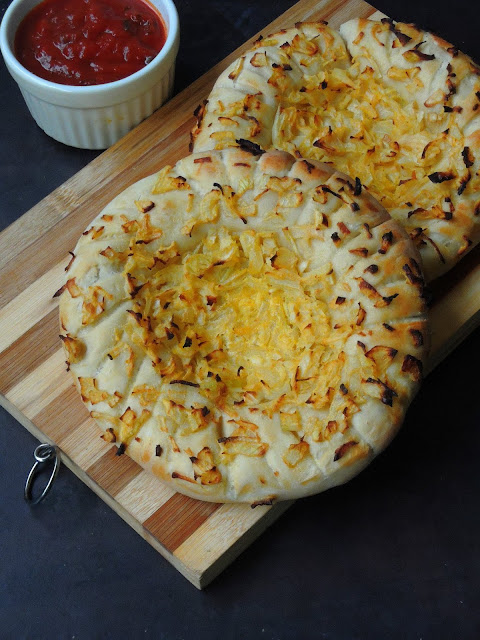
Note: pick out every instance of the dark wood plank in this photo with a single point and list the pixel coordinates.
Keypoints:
(177, 519)
(113, 472)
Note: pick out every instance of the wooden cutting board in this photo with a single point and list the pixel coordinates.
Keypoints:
(198, 538)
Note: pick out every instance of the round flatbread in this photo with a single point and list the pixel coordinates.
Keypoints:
(386, 102)
(248, 327)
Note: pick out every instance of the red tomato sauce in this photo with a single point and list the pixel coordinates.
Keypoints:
(87, 42)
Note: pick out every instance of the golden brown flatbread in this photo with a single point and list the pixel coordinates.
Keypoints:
(247, 326)
(386, 102)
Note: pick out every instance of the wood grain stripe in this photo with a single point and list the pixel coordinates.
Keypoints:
(171, 149)
(213, 537)
(63, 415)
(177, 519)
(29, 351)
(63, 238)
(144, 495)
(42, 386)
(83, 445)
(337, 12)
(28, 306)
(41, 218)
(219, 540)
(112, 472)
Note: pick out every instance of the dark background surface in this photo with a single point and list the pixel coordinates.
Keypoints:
(393, 554)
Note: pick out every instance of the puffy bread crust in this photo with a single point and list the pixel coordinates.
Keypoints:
(393, 104)
(248, 328)
(244, 99)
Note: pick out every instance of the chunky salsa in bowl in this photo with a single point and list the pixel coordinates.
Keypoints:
(89, 42)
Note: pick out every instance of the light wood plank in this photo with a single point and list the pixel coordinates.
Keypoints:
(30, 305)
(41, 386)
(83, 445)
(29, 351)
(144, 495)
(220, 532)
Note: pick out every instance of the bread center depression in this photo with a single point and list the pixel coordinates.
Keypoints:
(240, 317)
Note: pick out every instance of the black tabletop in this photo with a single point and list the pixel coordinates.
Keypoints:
(392, 554)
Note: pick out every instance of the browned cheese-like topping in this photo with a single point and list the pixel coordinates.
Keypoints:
(243, 360)
(362, 104)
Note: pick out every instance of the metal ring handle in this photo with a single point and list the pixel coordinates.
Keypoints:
(42, 454)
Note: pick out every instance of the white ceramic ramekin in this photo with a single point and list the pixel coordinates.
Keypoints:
(93, 117)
